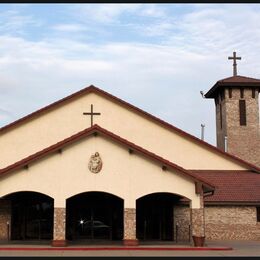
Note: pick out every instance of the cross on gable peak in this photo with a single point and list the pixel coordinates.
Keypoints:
(91, 114)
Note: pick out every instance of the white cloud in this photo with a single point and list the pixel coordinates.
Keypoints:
(12, 21)
(130, 71)
(163, 78)
(104, 13)
(152, 10)
(217, 28)
(157, 29)
(69, 27)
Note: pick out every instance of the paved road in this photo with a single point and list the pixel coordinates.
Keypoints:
(240, 248)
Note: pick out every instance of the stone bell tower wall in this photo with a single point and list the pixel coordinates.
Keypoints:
(243, 140)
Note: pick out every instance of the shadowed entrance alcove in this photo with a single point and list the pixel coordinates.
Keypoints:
(155, 216)
(31, 216)
(94, 216)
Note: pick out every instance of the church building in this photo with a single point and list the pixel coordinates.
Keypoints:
(92, 167)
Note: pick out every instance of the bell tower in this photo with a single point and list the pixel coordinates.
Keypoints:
(237, 115)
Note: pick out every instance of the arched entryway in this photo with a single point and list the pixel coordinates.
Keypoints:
(94, 216)
(155, 216)
(31, 216)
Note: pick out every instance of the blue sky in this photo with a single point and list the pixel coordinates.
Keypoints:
(156, 56)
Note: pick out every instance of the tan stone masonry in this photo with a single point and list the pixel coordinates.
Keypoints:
(221, 223)
(129, 224)
(5, 219)
(182, 223)
(232, 223)
(198, 219)
(197, 222)
(59, 224)
(238, 142)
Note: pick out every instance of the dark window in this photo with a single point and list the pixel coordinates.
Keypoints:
(258, 214)
(220, 111)
(253, 93)
(241, 93)
(230, 92)
(242, 112)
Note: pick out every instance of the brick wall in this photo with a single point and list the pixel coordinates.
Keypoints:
(221, 223)
(59, 224)
(5, 216)
(129, 223)
(231, 223)
(220, 131)
(182, 223)
(239, 142)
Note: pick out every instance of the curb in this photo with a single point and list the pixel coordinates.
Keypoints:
(115, 248)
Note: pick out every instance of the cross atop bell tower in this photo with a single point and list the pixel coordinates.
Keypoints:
(234, 58)
(237, 115)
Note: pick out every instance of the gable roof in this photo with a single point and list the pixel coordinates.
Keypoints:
(99, 130)
(93, 89)
(245, 186)
(235, 81)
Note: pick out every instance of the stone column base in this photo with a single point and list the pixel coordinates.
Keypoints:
(59, 227)
(5, 219)
(130, 242)
(59, 243)
(198, 229)
(130, 227)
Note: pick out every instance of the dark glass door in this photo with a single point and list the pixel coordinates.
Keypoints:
(94, 224)
(32, 216)
(155, 217)
(94, 215)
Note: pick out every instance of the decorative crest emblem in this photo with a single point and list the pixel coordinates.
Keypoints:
(95, 163)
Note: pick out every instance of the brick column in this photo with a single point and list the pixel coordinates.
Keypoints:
(59, 227)
(130, 227)
(198, 224)
(5, 219)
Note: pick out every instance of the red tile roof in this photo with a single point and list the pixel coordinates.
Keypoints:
(103, 93)
(232, 186)
(97, 129)
(239, 79)
(235, 81)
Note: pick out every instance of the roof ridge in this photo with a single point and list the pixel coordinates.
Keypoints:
(87, 132)
(51, 105)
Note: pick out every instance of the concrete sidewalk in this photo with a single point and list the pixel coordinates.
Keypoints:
(222, 248)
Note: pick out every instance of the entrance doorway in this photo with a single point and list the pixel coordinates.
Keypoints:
(94, 216)
(154, 216)
(31, 216)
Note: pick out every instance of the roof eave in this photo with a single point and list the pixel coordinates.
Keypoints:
(214, 90)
